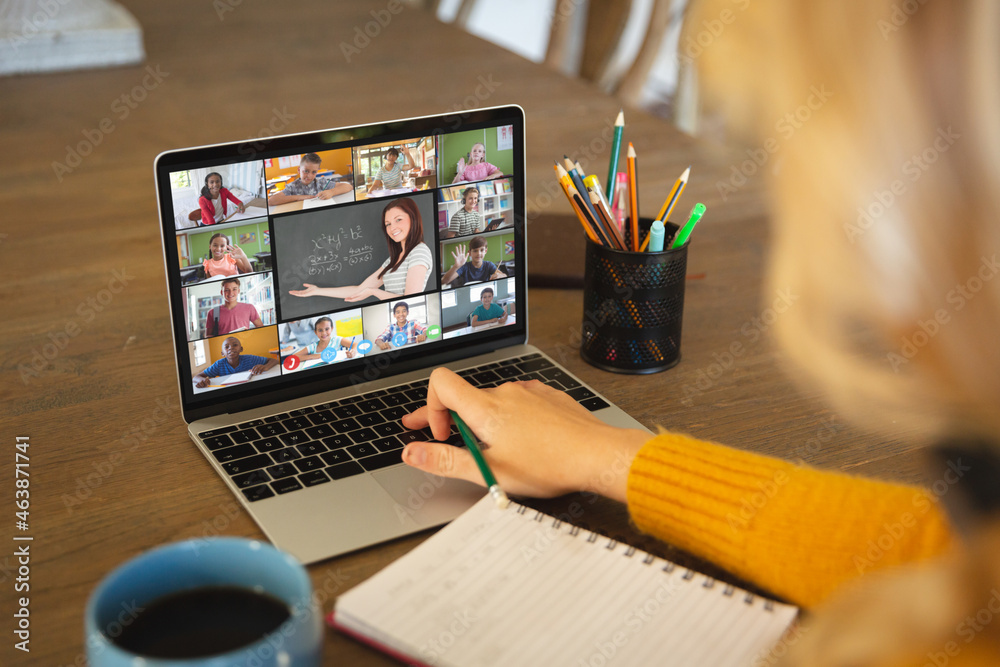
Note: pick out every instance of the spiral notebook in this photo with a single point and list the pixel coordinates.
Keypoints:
(518, 587)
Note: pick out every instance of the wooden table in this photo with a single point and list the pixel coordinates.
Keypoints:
(88, 373)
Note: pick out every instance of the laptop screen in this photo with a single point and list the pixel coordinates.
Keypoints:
(310, 262)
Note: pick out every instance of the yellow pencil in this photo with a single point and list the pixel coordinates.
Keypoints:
(674, 195)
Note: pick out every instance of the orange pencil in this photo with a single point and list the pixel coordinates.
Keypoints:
(570, 190)
(633, 199)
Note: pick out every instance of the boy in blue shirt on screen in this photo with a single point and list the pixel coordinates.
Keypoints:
(233, 362)
(488, 312)
(413, 331)
(472, 266)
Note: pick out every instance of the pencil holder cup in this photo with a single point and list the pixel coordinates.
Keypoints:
(633, 304)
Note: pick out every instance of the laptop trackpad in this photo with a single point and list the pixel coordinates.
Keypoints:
(428, 499)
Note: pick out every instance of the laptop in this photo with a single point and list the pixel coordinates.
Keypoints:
(294, 372)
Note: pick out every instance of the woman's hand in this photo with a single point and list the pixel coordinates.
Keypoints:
(540, 441)
(310, 290)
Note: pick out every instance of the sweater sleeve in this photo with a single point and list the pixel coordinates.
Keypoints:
(230, 196)
(207, 211)
(796, 531)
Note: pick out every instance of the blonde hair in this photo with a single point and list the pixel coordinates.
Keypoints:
(886, 204)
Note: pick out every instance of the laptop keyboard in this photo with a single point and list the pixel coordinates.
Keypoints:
(314, 445)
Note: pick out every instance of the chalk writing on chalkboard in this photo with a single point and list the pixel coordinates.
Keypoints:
(332, 249)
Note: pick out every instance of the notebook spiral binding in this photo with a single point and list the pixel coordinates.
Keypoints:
(647, 558)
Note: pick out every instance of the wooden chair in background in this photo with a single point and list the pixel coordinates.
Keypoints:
(587, 47)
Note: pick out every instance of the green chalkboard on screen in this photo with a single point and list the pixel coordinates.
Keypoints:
(336, 246)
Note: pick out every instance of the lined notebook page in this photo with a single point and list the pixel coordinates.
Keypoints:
(517, 587)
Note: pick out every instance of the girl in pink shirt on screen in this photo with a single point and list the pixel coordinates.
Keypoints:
(226, 259)
(478, 169)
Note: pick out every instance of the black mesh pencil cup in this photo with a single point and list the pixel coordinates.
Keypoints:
(633, 304)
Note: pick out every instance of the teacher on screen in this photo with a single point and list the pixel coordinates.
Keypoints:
(407, 269)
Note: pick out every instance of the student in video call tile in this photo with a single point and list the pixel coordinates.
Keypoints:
(415, 331)
(407, 269)
(477, 169)
(234, 362)
(472, 266)
(232, 314)
(488, 312)
(308, 185)
(214, 201)
(323, 328)
(227, 258)
(467, 219)
(390, 174)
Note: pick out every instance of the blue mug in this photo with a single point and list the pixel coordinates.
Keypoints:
(197, 564)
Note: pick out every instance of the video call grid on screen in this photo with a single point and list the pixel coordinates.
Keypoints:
(237, 243)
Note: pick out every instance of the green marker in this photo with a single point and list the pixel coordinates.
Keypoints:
(499, 497)
(682, 236)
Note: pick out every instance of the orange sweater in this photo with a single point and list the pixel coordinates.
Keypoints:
(793, 530)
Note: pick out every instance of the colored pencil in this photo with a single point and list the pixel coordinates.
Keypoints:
(616, 147)
(674, 195)
(604, 217)
(593, 182)
(633, 198)
(499, 497)
(576, 201)
(576, 175)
